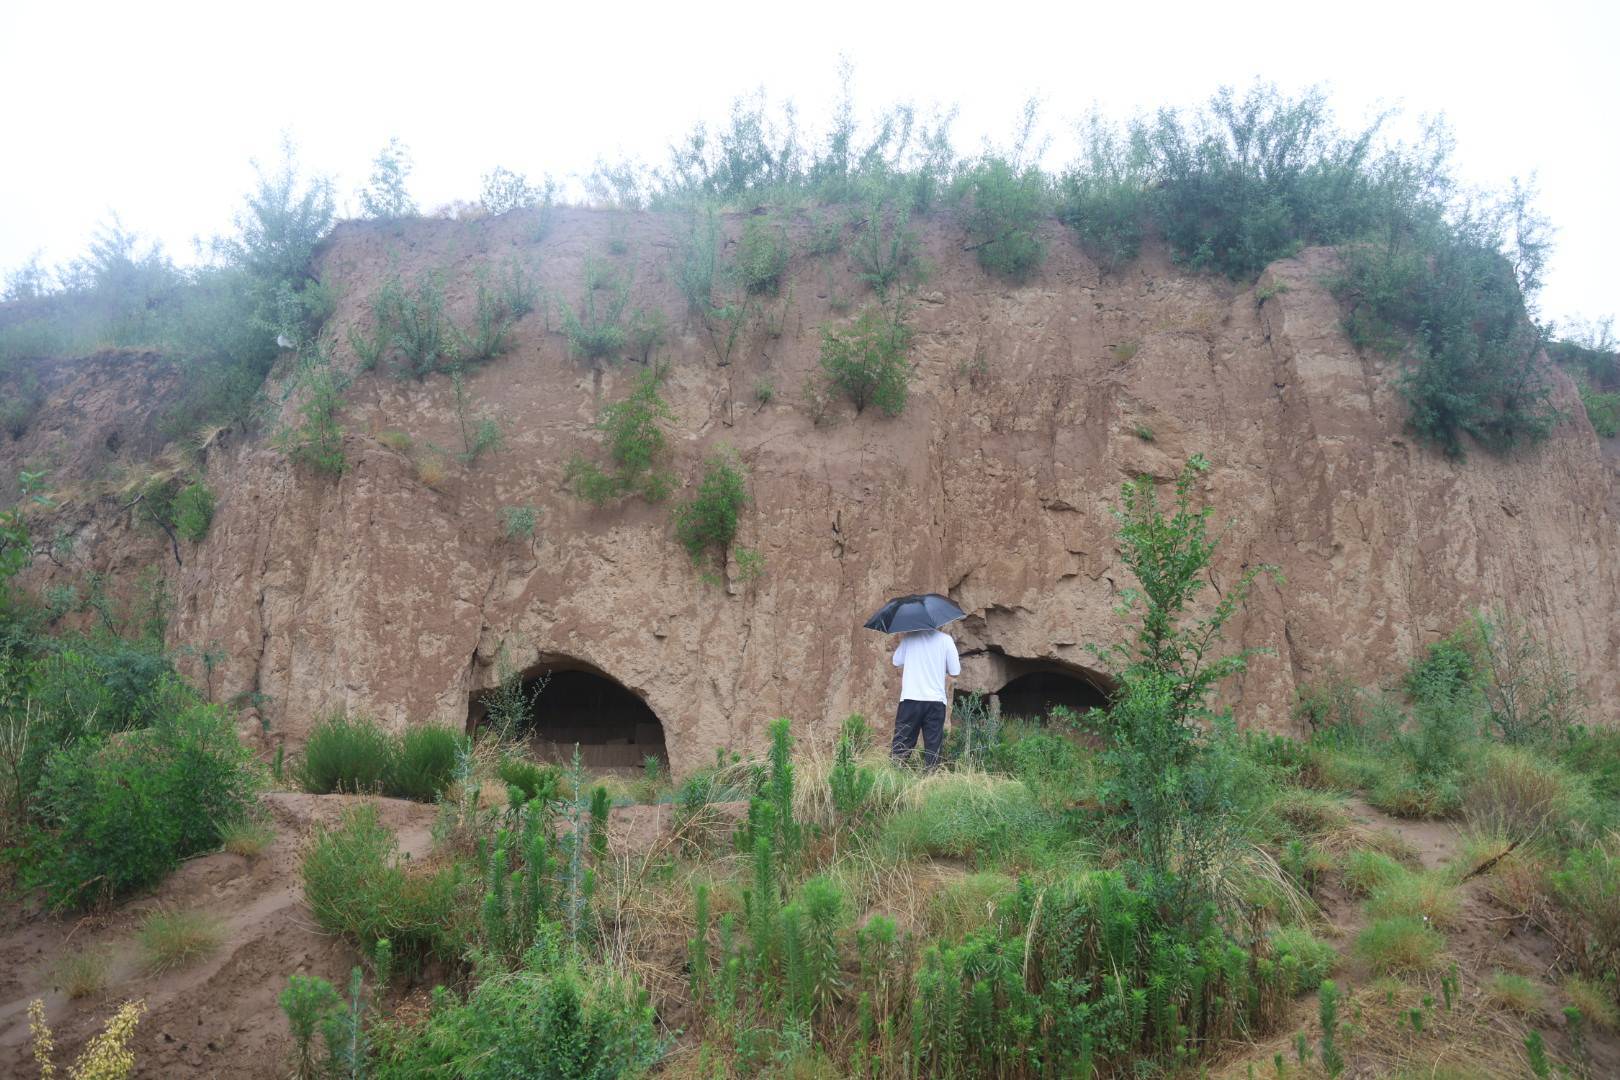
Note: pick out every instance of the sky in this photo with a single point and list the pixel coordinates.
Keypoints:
(155, 111)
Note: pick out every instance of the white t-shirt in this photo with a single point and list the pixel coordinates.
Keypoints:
(925, 657)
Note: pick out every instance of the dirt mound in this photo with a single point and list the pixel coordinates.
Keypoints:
(220, 1017)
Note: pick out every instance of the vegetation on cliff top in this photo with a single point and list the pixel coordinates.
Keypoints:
(1443, 282)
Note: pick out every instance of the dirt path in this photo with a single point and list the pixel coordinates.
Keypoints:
(220, 1017)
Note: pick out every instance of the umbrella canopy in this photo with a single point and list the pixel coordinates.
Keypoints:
(928, 611)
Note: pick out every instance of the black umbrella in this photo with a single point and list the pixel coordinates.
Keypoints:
(926, 612)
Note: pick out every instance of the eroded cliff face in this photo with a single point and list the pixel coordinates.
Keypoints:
(1030, 404)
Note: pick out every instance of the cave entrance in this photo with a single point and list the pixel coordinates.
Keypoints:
(574, 703)
(1034, 695)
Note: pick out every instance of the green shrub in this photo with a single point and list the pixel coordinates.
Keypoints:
(1603, 410)
(867, 362)
(193, 511)
(1300, 950)
(707, 522)
(543, 782)
(1104, 198)
(385, 196)
(636, 444)
(1399, 945)
(1517, 793)
(307, 1001)
(181, 779)
(555, 1019)
(1588, 891)
(425, 762)
(418, 335)
(598, 331)
(346, 753)
(518, 522)
(1006, 205)
(505, 191)
(885, 249)
(762, 257)
(356, 883)
(1530, 692)
(316, 438)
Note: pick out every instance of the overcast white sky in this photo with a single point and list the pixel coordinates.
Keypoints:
(153, 110)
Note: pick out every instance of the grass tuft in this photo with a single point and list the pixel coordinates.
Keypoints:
(247, 837)
(1423, 896)
(1401, 944)
(1516, 994)
(1595, 1000)
(83, 972)
(171, 939)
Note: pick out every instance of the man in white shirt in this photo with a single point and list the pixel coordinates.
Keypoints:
(927, 660)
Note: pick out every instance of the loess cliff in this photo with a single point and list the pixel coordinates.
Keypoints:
(1030, 404)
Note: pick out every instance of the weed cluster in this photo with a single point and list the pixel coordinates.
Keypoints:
(867, 361)
(636, 443)
(354, 754)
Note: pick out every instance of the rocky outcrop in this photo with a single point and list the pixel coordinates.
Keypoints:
(1030, 405)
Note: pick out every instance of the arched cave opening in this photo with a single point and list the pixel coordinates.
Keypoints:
(1032, 694)
(572, 703)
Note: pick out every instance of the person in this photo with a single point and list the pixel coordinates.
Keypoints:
(927, 660)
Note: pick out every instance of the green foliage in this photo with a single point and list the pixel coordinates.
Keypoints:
(762, 257)
(1603, 410)
(315, 438)
(385, 196)
(509, 707)
(479, 435)
(1006, 206)
(412, 328)
(1400, 945)
(598, 331)
(867, 361)
(354, 754)
(1587, 889)
(357, 883)
(180, 778)
(1104, 198)
(170, 940)
(16, 537)
(969, 817)
(542, 782)
(194, 511)
(346, 753)
(851, 783)
(425, 762)
(505, 191)
(1456, 303)
(518, 522)
(885, 249)
(1175, 791)
(636, 444)
(557, 1020)
(1530, 692)
(1298, 949)
(707, 522)
(307, 1001)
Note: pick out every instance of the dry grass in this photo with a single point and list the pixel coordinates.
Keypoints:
(1472, 1040)
(171, 939)
(83, 972)
(248, 838)
(968, 903)
(1595, 1002)
(396, 440)
(1522, 796)
(432, 470)
(1516, 994)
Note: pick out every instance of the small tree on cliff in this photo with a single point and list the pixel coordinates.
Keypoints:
(1174, 795)
(634, 433)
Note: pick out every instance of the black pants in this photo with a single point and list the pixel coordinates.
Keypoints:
(926, 717)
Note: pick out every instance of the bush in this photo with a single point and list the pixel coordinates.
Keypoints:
(170, 940)
(180, 779)
(707, 522)
(1006, 204)
(425, 762)
(598, 331)
(1518, 794)
(356, 883)
(1300, 950)
(762, 258)
(636, 444)
(505, 191)
(316, 439)
(1530, 692)
(385, 197)
(885, 249)
(1603, 410)
(1588, 891)
(543, 782)
(412, 327)
(518, 522)
(193, 511)
(867, 362)
(1400, 945)
(1104, 198)
(556, 1019)
(345, 753)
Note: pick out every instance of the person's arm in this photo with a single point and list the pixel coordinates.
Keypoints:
(900, 652)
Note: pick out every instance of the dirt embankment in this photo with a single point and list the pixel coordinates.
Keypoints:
(1030, 404)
